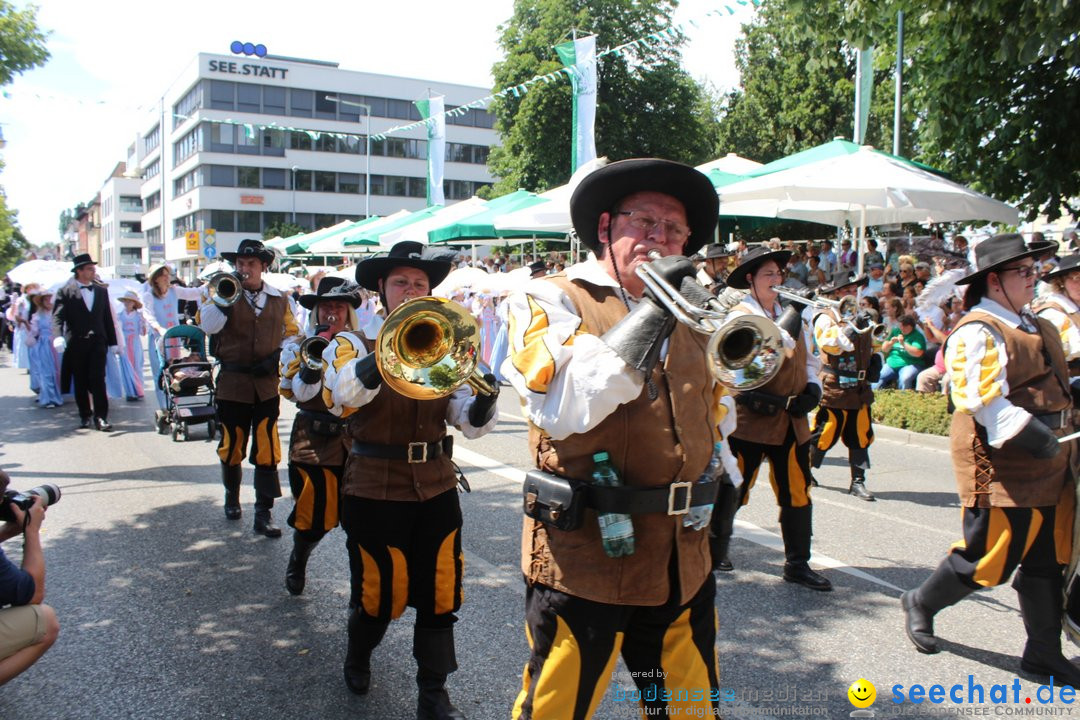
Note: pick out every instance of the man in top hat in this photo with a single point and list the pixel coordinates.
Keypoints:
(602, 367)
(83, 323)
(849, 365)
(1010, 388)
(538, 269)
(399, 502)
(247, 340)
(317, 447)
(773, 421)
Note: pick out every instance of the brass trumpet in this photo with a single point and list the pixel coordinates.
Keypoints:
(311, 350)
(428, 347)
(744, 352)
(846, 308)
(225, 288)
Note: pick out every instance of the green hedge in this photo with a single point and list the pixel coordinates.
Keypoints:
(911, 410)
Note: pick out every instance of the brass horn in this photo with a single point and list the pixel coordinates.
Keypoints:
(428, 347)
(744, 352)
(225, 288)
(311, 350)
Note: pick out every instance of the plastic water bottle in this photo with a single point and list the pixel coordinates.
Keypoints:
(616, 529)
(699, 516)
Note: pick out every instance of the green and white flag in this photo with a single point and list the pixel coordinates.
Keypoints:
(579, 56)
(864, 87)
(436, 134)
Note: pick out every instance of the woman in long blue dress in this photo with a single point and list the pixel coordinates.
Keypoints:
(133, 328)
(161, 312)
(44, 361)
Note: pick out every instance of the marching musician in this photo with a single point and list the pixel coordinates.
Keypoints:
(399, 503)
(249, 335)
(772, 420)
(1010, 387)
(601, 367)
(1062, 308)
(849, 366)
(317, 448)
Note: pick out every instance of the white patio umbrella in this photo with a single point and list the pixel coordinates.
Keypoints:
(334, 244)
(418, 231)
(43, 272)
(553, 215)
(730, 163)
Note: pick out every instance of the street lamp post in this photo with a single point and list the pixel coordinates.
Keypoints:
(294, 169)
(367, 150)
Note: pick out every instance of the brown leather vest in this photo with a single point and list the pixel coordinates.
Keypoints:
(309, 447)
(1074, 318)
(1010, 476)
(246, 340)
(790, 380)
(393, 419)
(651, 443)
(850, 397)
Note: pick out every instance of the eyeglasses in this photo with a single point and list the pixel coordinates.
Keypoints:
(647, 223)
(1024, 271)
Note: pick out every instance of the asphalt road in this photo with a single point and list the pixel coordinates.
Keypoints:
(168, 610)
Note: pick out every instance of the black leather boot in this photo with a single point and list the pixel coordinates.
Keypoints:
(433, 649)
(364, 636)
(267, 487)
(722, 526)
(296, 572)
(939, 591)
(231, 475)
(1041, 603)
(858, 485)
(795, 526)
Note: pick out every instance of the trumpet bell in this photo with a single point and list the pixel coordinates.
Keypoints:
(224, 289)
(745, 353)
(311, 351)
(428, 347)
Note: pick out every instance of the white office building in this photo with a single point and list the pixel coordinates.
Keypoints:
(122, 240)
(239, 144)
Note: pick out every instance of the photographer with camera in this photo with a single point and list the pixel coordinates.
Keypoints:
(27, 627)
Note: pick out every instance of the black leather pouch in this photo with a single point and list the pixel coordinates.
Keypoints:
(553, 500)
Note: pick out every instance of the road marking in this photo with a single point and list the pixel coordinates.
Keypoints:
(745, 530)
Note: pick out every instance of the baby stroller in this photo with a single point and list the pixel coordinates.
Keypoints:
(188, 383)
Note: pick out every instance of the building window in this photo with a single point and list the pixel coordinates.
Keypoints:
(222, 176)
(348, 110)
(349, 183)
(325, 221)
(130, 256)
(417, 187)
(154, 169)
(325, 108)
(222, 95)
(248, 98)
(325, 181)
(299, 140)
(397, 186)
(273, 218)
(247, 177)
(305, 221)
(302, 180)
(152, 139)
(131, 203)
(153, 236)
(273, 142)
(273, 100)
(398, 109)
(378, 184)
(301, 102)
(153, 201)
(248, 221)
(222, 220)
(188, 145)
(187, 223)
(184, 183)
(222, 137)
(247, 144)
(188, 105)
(273, 178)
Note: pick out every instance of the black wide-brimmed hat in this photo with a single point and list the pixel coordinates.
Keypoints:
(842, 279)
(752, 261)
(81, 260)
(1000, 250)
(600, 191)
(538, 267)
(332, 289)
(1068, 264)
(717, 251)
(406, 253)
(250, 248)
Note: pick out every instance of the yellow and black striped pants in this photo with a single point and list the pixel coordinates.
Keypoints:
(238, 421)
(315, 492)
(789, 468)
(405, 554)
(670, 651)
(998, 540)
(854, 427)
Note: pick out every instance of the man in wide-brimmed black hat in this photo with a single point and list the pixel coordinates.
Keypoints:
(399, 498)
(604, 370)
(1010, 387)
(849, 365)
(247, 338)
(773, 421)
(84, 326)
(317, 449)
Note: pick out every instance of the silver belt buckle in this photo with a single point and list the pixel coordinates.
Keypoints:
(420, 457)
(673, 489)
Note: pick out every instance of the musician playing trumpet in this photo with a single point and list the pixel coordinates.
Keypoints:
(399, 505)
(317, 447)
(249, 329)
(849, 365)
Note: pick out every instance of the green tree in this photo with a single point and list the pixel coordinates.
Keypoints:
(22, 43)
(993, 85)
(646, 104)
(13, 244)
(282, 229)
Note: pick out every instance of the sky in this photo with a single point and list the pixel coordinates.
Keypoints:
(69, 122)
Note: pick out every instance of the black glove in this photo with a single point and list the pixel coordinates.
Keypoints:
(873, 373)
(851, 333)
(791, 321)
(309, 375)
(637, 338)
(805, 401)
(863, 320)
(674, 269)
(1075, 387)
(367, 372)
(1037, 439)
(484, 406)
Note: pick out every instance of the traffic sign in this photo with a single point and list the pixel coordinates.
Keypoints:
(192, 241)
(209, 236)
(210, 251)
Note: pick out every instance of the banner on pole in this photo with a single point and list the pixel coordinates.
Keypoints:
(579, 56)
(431, 109)
(864, 88)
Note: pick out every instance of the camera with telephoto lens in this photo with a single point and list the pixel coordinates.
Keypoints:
(49, 494)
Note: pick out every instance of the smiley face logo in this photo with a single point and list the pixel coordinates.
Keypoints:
(862, 693)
